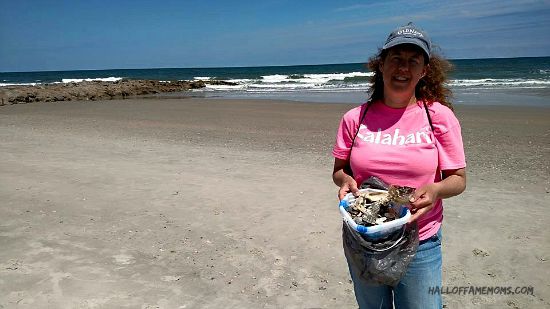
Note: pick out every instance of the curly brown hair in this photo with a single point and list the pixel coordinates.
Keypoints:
(430, 88)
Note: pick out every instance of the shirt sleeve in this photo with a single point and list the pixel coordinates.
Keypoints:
(449, 140)
(344, 136)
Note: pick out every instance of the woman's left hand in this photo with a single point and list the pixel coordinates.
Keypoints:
(423, 200)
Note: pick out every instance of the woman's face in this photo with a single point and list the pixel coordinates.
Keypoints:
(401, 70)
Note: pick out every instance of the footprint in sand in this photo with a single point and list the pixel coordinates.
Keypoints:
(479, 252)
(124, 259)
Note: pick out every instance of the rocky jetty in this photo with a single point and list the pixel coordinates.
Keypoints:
(95, 90)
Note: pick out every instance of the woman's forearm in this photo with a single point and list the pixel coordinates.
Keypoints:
(339, 177)
(453, 184)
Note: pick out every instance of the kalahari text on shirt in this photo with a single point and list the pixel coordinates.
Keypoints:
(418, 137)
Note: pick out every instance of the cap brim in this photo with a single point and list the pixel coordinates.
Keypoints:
(413, 41)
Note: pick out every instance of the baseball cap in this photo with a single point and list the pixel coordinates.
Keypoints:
(409, 34)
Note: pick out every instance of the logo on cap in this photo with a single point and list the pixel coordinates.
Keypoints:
(409, 31)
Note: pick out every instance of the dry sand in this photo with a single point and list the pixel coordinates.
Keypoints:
(204, 203)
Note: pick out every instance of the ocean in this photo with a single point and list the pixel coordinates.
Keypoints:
(499, 81)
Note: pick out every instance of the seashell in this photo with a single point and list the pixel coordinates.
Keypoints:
(375, 183)
(400, 195)
(375, 208)
(361, 208)
(369, 218)
(377, 196)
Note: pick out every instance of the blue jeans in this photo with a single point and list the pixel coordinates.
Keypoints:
(413, 290)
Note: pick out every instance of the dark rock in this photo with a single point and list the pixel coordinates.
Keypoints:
(93, 90)
(220, 82)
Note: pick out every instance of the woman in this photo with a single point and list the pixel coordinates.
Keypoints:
(406, 135)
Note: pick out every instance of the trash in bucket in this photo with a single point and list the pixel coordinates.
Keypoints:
(376, 213)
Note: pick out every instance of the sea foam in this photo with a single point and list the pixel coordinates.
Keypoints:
(79, 80)
(18, 84)
(500, 83)
(297, 82)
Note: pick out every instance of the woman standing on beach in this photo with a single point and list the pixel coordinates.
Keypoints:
(408, 136)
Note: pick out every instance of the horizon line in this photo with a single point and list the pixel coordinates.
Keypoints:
(252, 66)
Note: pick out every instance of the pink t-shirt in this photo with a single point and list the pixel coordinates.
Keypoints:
(399, 147)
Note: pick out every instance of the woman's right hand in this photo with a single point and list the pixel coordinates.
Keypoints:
(348, 185)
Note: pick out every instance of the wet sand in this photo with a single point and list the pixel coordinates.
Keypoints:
(209, 203)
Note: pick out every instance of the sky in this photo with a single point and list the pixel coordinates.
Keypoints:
(78, 35)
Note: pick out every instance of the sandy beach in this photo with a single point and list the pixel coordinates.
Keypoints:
(215, 203)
